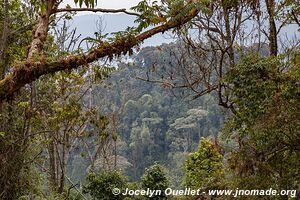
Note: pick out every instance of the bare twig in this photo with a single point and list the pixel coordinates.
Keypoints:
(102, 10)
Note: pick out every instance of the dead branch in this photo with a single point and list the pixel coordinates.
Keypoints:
(102, 10)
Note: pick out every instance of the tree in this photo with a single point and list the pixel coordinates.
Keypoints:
(217, 37)
(16, 21)
(100, 186)
(183, 127)
(251, 76)
(204, 169)
(266, 126)
(155, 178)
(37, 65)
(19, 135)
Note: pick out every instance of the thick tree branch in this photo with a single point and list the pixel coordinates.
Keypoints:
(295, 18)
(123, 10)
(41, 32)
(28, 71)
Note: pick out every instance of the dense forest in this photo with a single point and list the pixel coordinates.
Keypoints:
(217, 109)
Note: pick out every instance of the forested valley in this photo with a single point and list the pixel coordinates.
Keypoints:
(94, 117)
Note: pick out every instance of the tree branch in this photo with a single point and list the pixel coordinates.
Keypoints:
(123, 10)
(21, 30)
(295, 18)
(28, 71)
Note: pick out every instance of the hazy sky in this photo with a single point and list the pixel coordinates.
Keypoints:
(109, 3)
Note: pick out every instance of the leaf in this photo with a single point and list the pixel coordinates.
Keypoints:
(80, 3)
(68, 6)
(2, 134)
(87, 3)
(23, 104)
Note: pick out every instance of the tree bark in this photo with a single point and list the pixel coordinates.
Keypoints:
(228, 37)
(273, 43)
(52, 165)
(4, 39)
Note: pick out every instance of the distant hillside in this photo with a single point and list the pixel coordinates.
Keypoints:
(87, 24)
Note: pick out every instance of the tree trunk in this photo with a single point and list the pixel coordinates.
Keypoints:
(273, 43)
(228, 38)
(52, 166)
(4, 39)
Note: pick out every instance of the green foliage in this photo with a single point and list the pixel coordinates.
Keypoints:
(17, 175)
(88, 3)
(155, 178)
(266, 127)
(100, 186)
(255, 81)
(152, 124)
(155, 12)
(147, 113)
(204, 169)
(151, 14)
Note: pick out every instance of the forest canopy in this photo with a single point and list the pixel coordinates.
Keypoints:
(217, 108)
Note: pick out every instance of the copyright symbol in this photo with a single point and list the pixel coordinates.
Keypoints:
(116, 191)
